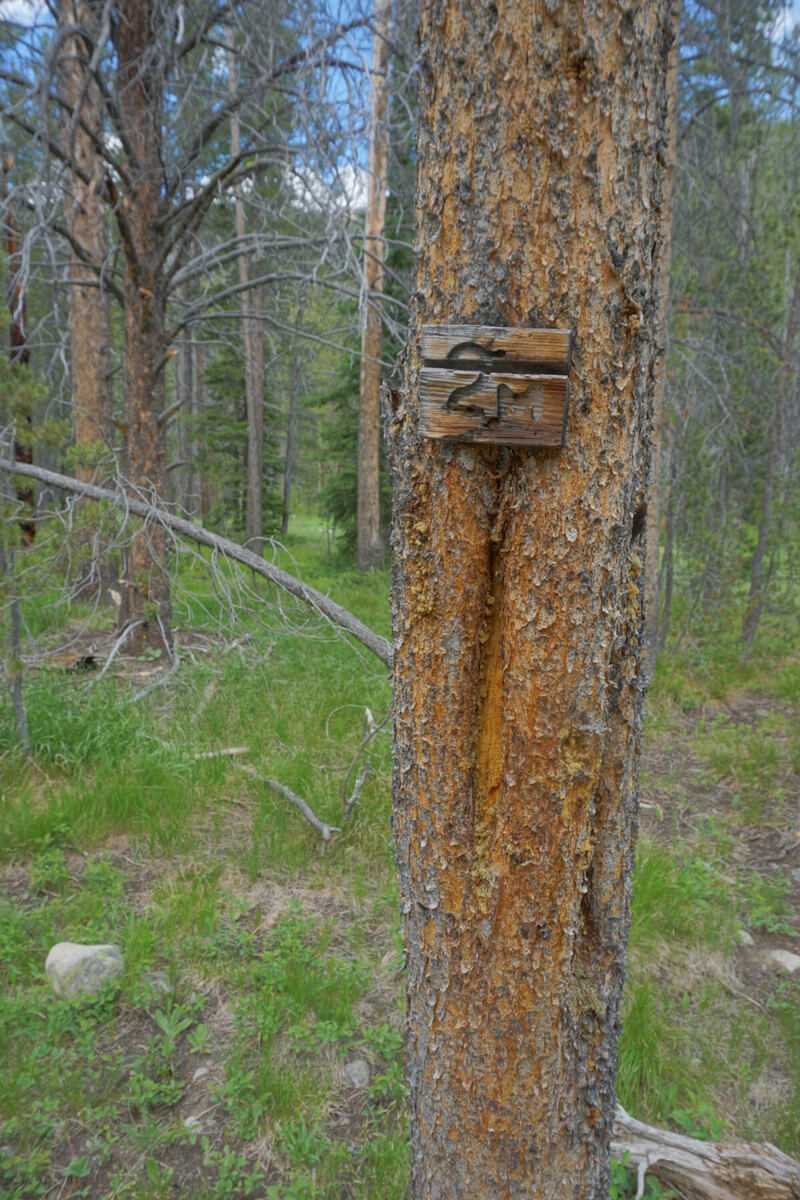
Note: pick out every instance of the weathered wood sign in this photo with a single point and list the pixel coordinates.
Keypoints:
(502, 387)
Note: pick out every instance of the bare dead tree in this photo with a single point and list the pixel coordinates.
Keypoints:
(160, 179)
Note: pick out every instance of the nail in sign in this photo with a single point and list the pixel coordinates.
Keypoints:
(494, 386)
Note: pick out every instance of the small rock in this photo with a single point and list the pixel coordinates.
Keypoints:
(200, 1073)
(785, 959)
(796, 874)
(357, 1072)
(74, 969)
(7, 1151)
(193, 1123)
(744, 938)
(159, 981)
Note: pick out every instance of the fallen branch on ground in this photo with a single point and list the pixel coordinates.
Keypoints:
(705, 1170)
(227, 752)
(325, 831)
(115, 649)
(352, 799)
(327, 608)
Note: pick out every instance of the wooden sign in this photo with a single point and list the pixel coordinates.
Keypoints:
(500, 387)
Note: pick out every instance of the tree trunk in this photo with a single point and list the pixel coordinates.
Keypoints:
(185, 388)
(255, 426)
(191, 500)
(253, 343)
(90, 319)
(146, 588)
(654, 489)
(516, 604)
(85, 210)
(19, 355)
(370, 546)
(669, 560)
(755, 600)
(291, 424)
(7, 566)
(207, 492)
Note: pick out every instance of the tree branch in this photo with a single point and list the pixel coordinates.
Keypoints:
(705, 1170)
(323, 829)
(326, 607)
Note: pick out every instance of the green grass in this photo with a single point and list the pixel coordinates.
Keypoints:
(682, 900)
(283, 961)
(297, 993)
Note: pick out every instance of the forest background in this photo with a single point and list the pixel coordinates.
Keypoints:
(230, 166)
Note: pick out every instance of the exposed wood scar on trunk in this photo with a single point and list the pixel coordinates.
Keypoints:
(490, 754)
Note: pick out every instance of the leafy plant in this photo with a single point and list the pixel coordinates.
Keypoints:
(234, 1176)
(303, 1144)
(766, 901)
(623, 1183)
(198, 1040)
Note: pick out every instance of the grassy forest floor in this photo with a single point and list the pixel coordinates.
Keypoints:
(253, 1044)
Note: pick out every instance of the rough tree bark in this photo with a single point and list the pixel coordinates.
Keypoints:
(370, 546)
(516, 605)
(145, 590)
(654, 505)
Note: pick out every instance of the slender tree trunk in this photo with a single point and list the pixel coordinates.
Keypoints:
(253, 343)
(370, 545)
(185, 386)
(19, 355)
(7, 564)
(90, 319)
(85, 210)
(755, 599)
(516, 606)
(291, 425)
(255, 426)
(207, 493)
(669, 563)
(654, 488)
(146, 588)
(191, 494)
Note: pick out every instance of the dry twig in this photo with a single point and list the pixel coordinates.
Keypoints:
(324, 830)
(371, 730)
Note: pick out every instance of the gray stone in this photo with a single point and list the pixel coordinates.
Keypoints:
(744, 938)
(357, 1072)
(200, 1073)
(784, 959)
(74, 969)
(159, 981)
(193, 1123)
